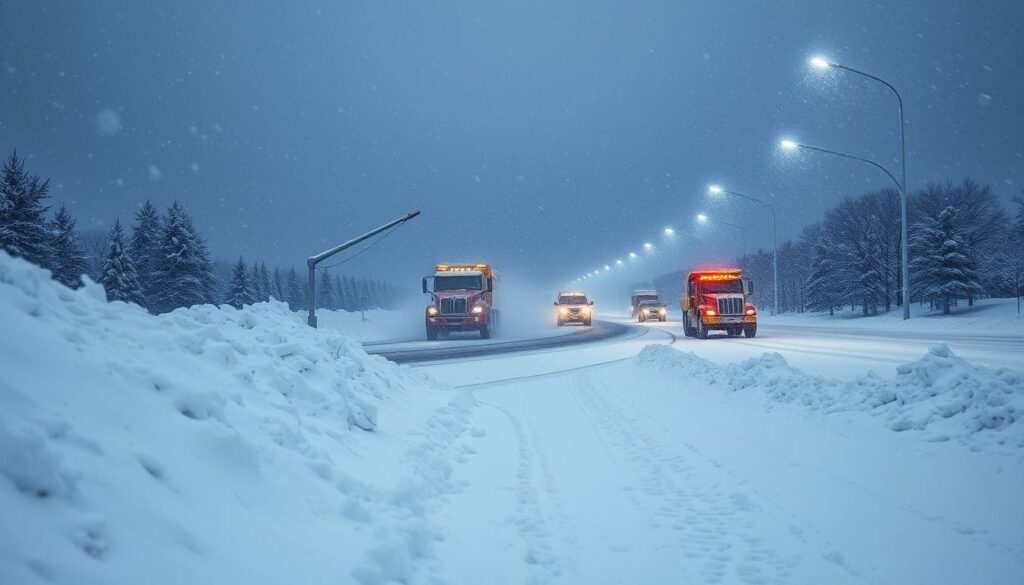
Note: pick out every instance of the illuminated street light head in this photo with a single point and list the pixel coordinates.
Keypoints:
(669, 231)
(618, 262)
(632, 254)
(648, 246)
(819, 62)
(787, 144)
(607, 268)
(701, 217)
(715, 189)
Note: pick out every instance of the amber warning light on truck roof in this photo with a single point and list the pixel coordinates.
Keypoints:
(722, 276)
(461, 267)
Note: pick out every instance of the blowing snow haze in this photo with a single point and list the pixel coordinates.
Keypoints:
(543, 137)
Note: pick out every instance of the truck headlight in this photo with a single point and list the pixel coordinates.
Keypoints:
(563, 310)
(478, 309)
(662, 311)
(431, 310)
(586, 310)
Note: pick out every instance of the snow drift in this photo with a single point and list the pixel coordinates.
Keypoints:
(207, 445)
(940, 395)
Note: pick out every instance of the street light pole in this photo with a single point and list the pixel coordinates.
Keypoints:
(714, 190)
(822, 63)
(791, 145)
(312, 261)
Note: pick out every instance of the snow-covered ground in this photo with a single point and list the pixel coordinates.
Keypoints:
(221, 446)
(987, 316)
(208, 445)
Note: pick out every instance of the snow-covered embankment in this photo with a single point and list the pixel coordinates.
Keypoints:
(207, 445)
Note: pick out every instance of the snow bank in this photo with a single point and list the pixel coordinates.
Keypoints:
(940, 395)
(208, 445)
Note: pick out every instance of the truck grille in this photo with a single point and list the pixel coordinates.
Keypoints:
(454, 306)
(730, 306)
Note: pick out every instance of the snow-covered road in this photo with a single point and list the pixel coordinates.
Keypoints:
(588, 467)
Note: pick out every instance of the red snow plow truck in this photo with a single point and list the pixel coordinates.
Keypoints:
(717, 299)
(462, 299)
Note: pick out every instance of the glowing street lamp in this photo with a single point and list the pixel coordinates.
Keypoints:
(787, 144)
(648, 246)
(718, 190)
(669, 231)
(607, 268)
(618, 262)
(702, 218)
(821, 63)
(632, 255)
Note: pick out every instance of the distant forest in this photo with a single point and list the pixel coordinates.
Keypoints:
(963, 246)
(160, 262)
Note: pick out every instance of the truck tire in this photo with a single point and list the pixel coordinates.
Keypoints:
(431, 334)
(485, 332)
(750, 330)
(587, 322)
(701, 331)
(640, 319)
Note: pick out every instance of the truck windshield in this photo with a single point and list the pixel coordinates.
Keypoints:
(572, 300)
(458, 283)
(645, 299)
(713, 287)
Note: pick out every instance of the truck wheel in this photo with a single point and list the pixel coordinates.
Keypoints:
(485, 332)
(587, 322)
(750, 330)
(431, 334)
(640, 319)
(701, 331)
(560, 323)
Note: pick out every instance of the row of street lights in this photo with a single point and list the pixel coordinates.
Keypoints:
(792, 145)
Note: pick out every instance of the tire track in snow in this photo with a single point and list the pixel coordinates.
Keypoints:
(537, 500)
(716, 530)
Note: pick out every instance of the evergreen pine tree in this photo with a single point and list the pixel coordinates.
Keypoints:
(258, 292)
(325, 292)
(240, 292)
(278, 286)
(942, 270)
(293, 294)
(68, 258)
(119, 277)
(184, 275)
(339, 294)
(265, 284)
(23, 229)
(144, 250)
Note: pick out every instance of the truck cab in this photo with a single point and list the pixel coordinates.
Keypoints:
(462, 299)
(718, 300)
(573, 307)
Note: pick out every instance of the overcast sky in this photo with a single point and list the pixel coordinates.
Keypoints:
(549, 137)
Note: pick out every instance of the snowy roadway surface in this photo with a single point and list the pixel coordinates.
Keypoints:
(585, 468)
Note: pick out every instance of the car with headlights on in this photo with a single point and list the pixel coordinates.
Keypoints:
(573, 307)
(651, 310)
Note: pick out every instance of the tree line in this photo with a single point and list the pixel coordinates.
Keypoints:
(963, 245)
(161, 262)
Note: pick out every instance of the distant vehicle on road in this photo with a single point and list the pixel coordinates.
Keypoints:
(717, 299)
(462, 299)
(647, 310)
(573, 307)
(640, 296)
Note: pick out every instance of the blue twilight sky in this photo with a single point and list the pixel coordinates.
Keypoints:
(547, 137)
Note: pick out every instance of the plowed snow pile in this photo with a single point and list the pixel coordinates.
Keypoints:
(207, 445)
(940, 395)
